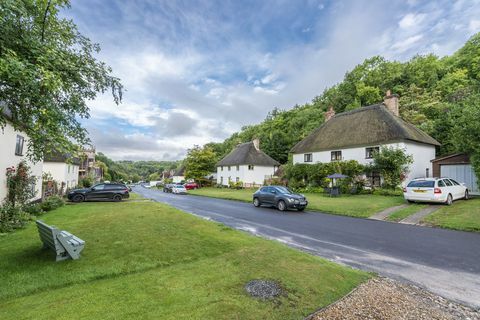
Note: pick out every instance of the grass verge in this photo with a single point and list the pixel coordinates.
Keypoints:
(405, 212)
(148, 260)
(461, 215)
(362, 206)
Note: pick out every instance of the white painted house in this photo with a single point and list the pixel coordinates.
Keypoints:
(64, 170)
(356, 134)
(247, 164)
(179, 175)
(13, 150)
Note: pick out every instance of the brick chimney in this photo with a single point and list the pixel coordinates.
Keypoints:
(256, 143)
(329, 114)
(391, 102)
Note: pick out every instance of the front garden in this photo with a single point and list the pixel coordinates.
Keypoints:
(147, 260)
(363, 205)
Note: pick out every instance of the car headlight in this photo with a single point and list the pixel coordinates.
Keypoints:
(290, 199)
(297, 201)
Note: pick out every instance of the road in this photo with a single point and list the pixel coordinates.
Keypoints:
(443, 261)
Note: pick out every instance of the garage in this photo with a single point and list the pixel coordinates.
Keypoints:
(457, 166)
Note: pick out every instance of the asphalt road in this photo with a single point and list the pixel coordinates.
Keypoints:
(443, 261)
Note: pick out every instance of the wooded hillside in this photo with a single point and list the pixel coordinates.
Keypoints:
(439, 95)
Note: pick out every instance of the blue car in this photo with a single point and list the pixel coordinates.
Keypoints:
(280, 197)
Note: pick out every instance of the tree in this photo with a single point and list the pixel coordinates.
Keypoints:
(199, 163)
(154, 176)
(392, 163)
(47, 72)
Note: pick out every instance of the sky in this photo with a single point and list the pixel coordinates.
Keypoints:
(197, 71)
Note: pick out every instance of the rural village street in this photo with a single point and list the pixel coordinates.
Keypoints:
(443, 261)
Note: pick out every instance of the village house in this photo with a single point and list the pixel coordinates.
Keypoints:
(357, 134)
(246, 164)
(88, 166)
(13, 149)
(179, 175)
(63, 169)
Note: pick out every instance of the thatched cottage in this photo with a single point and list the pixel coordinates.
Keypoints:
(355, 135)
(247, 164)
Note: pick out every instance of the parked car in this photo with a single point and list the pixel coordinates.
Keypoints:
(280, 197)
(443, 190)
(191, 185)
(175, 188)
(101, 191)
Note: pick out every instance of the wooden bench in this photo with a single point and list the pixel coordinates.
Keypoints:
(65, 244)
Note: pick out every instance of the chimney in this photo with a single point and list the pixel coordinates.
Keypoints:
(391, 102)
(329, 114)
(256, 143)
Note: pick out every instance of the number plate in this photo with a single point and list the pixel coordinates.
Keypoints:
(420, 191)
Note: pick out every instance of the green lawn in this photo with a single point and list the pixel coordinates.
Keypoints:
(148, 260)
(356, 206)
(405, 212)
(461, 215)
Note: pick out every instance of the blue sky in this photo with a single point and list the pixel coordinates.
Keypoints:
(197, 71)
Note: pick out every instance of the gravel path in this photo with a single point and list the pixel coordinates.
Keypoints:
(382, 298)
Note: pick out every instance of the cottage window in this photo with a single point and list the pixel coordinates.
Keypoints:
(369, 152)
(374, 178)
(229, 168)
(19, 146)
(250, 167)
(307, 157)
(237, 179)
(221, 180)
(336, 155)
(238, 168)
(221, 168)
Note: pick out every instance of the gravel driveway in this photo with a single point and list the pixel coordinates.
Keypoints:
(382, 298)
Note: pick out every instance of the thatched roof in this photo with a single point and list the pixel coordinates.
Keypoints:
(246, 153)
(371, 125)
(180, 172)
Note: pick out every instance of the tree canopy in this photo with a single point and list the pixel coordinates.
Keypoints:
(441, 96)
(48, 71)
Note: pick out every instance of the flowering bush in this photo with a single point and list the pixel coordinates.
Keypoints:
(12, 217)
(20, 185)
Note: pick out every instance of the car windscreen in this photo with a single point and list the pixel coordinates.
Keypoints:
(421, 184)
(284, 190)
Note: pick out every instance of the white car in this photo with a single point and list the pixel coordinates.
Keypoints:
(443, 190)
(178, 189)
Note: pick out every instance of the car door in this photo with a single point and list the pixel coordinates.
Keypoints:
(459, 189)
(97, 192)
(450, 188)
(270, 195)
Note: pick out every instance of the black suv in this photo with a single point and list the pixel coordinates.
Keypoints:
(280, 197)
(101, 191)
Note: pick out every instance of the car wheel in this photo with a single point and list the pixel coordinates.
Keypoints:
(117, 198)
(449, 200)
(256, 202)
(467, 196)
(281, 205)
(78, 198)
(410, 201)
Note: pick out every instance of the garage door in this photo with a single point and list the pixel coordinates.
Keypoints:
(461, 173)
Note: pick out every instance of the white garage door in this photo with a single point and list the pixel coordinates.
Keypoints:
(461, 173)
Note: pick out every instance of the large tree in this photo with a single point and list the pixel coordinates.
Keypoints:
(199, 163)
(48, 71)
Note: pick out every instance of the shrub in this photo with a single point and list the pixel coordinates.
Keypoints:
(392, 163)
(235, 185)
(51, 203)
(12, 217)
(34, 209)
(19, 185)
(86, 182)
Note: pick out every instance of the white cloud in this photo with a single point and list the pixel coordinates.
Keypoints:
(191, 77)
(411, 20)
